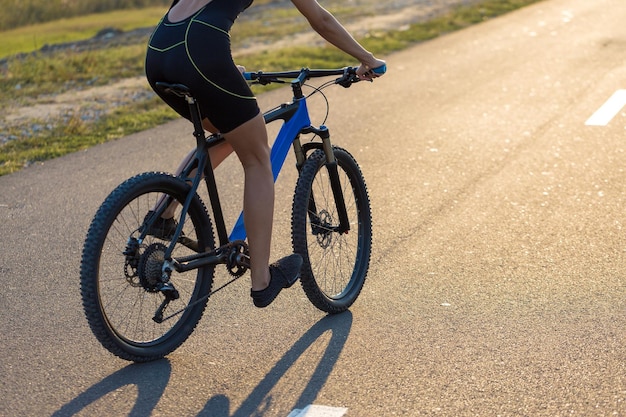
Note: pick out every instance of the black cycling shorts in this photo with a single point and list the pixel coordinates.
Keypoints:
(196, 52)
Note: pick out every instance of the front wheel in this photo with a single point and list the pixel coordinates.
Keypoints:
(336, 259)
(120, 272)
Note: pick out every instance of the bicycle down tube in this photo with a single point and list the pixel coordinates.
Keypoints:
(297, 121)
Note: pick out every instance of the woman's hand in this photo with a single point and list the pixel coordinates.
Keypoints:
(366, 70)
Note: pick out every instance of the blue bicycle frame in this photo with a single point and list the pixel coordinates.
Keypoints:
(232, 249)
(297, 120)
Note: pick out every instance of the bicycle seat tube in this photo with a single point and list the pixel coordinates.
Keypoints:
(204, 167)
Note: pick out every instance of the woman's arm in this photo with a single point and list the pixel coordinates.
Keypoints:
(324, 23)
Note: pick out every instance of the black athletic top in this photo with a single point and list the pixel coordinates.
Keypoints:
(196, 52)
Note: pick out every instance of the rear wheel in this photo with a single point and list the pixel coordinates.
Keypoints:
(120, 274)
(335, 262)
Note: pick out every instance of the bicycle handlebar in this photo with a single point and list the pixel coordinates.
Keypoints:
(348, 75)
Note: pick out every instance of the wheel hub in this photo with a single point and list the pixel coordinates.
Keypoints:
(324, 236)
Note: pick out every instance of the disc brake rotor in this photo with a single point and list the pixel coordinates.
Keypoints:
(325, 235)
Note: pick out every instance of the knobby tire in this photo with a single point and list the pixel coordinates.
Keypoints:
(335, 265)
(119, 306)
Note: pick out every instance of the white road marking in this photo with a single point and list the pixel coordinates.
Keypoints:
(318, 411)
(609, 110)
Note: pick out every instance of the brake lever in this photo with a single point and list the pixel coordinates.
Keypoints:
(348, 78)
(266, 81)
(344, 81)
(258, 78)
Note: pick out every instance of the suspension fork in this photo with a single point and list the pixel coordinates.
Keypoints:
(333, 174)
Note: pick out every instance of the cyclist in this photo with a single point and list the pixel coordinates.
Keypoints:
(191, 46)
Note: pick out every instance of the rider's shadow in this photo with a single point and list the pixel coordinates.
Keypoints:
(151, 379)
(258, 401)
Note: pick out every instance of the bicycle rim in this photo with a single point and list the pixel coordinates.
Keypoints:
(119, 290)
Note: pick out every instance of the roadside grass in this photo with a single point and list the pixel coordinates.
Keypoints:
(24, 79)
(457, 19)
(75, 135)
(31, 38)
(19, 13)
(37, 75)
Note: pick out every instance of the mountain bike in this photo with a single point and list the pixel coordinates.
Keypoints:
(145, 284)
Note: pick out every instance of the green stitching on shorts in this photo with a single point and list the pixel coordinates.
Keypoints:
(166, 49)
(182, 22)
(211, 26)
(154, 31)
(162, 22)
(184, 42)
(198, 69)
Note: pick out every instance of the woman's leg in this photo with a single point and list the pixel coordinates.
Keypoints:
(218, 153)
(250, 143)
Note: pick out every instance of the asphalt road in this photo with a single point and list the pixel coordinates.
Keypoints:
(498, 279)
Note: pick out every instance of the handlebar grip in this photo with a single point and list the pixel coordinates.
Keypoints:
(380, 70)
(247, 76)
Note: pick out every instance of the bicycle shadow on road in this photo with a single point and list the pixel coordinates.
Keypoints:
(258, 400)
(151, 379)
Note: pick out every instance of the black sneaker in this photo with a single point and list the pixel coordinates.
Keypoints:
(283, 274)
(161, 228)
